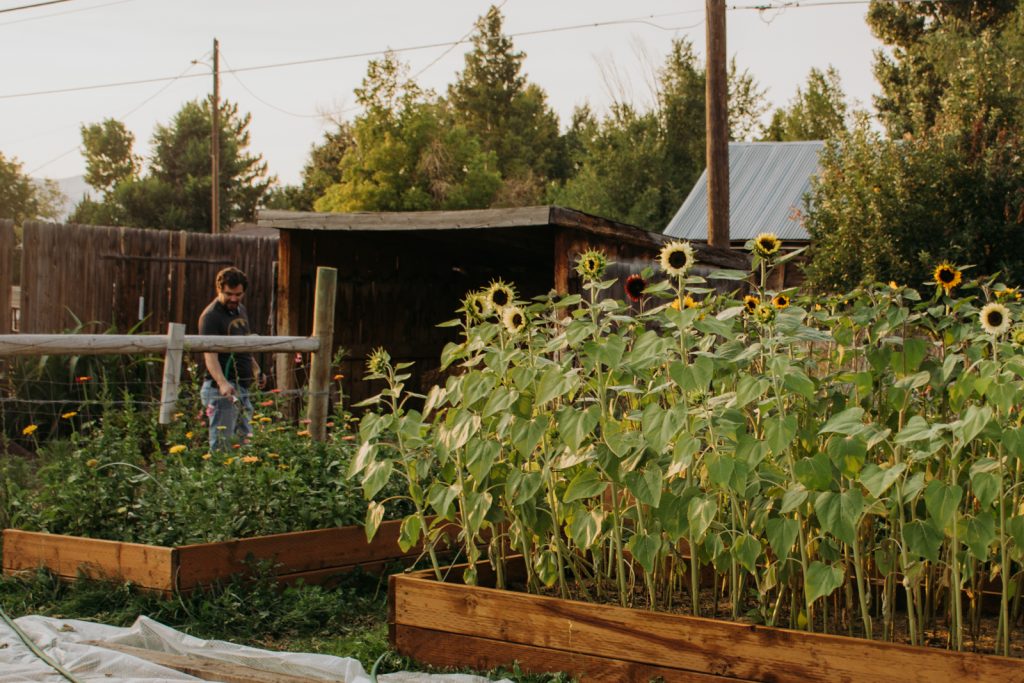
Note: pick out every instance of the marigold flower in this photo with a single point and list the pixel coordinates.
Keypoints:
(266, 404)
(83, 378)
(92, 462)
(893, 285)
(676, 258)
(229, 461)
(338, 377)
(206, 456)
(273, 456)
(249, 459)
(947, 276)
(29, 430)
(304, 432)
(189, 435)
(265, 419)
(282, 467)
(995, 318)
(69, 415)
(177, 448)
(274, 391)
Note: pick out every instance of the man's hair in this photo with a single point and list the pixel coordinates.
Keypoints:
(232, 277)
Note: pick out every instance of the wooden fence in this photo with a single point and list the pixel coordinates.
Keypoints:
(6, 273)
(129, 278)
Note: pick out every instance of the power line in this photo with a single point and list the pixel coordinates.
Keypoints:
(32, 6)
(60, 14)
(356, 55)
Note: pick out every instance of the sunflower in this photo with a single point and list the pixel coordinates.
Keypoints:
(635, 286)
(1008, 293)
(514, 319)
(764, 313)
(780, 301)
(947, 276)
(766, 244)
(995, 318)
(676, 258)
(477, 306)
(1018, 335)
(591, 265)
(499, 295)
(750, 303)
(690, 302)
(377, 362)
(676, 304)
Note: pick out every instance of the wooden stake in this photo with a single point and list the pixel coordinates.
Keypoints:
(320, 365)
(172, 371)
(717, 112)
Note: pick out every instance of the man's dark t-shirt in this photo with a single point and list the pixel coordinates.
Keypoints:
(216, 319)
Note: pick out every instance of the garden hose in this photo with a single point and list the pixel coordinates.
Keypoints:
(30, 644)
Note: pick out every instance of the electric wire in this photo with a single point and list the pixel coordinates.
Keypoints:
(32, 6)
(60, 14)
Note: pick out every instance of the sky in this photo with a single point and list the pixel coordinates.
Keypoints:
(578, 51)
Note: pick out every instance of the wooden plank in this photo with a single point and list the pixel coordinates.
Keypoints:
(206, 668)
(406, 220)
(722, 648)
(457, 651)
(172, 371)
(320, 365)
(147, 566)
(46, 344)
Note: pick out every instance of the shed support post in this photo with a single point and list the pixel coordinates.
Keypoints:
(172, 371)
(320, 363)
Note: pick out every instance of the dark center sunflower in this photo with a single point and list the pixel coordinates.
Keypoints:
(591, 265)
(517, 320)
(767, 243)
(995, 318)
(478, 306)
(499, 297)
(946, 275)
(677, 259)
(751, 304)
(635, 286)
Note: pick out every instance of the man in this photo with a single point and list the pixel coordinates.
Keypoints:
(225, 392)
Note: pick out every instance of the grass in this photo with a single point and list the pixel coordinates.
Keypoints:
(348, 619)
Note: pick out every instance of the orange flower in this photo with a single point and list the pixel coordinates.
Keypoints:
(339, 377)
(83, 378)
(265, 404)
(304, 432)
(249, 459)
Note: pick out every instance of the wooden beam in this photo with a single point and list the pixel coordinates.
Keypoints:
(172, 371)
(320, 365)
(717, 112)
(97, 344)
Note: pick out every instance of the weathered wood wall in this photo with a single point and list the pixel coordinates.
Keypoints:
(6, 273)
(97, 275)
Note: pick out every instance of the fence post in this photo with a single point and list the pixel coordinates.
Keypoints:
(320, 364)
(172, 371)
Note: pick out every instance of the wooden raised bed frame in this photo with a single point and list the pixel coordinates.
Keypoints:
(450, 624)
(313, 556)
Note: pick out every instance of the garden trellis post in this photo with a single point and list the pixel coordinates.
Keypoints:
(320, 364)
(172, 371)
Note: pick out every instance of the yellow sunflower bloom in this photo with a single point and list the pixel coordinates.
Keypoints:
(500, 294)
(750, 303)
(766, 244)
(690, 302)
(514, 319)
(947, 276)
(780, 301)
(591, 265)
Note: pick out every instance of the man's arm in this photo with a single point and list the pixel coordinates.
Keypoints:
(217, 373)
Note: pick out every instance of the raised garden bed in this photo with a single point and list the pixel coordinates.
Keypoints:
(450, 624)
(313, 556)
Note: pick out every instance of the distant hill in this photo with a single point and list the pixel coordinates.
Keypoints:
(73, 189)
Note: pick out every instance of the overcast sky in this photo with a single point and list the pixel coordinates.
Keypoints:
(93, 42)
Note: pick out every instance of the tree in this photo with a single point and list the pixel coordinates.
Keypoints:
(924, 41)
(176, 191)
(406, 153)
(817, 113)
(109, 158)
(638, 166)
(492, 99)
(21, 199)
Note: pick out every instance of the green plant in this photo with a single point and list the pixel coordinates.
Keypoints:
(817, 455)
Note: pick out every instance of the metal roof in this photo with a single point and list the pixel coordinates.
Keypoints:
(767, 183)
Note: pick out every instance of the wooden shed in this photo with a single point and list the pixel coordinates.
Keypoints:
(401, 274)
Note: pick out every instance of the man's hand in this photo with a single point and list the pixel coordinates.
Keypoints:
(225, 388)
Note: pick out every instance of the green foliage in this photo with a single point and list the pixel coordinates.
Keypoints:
(511, 118)
(320, 172)
(637, 166)
(885, 209)
(819, 113)
(176, 192)
(798, 448)
(21, 199)
(407, 154)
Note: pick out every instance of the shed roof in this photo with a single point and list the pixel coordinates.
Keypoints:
(474, 219)
(767, 182)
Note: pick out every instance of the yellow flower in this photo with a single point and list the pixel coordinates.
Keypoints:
(188, 435)
(893, 285)
(265, 419)
(1008, 293)
(764, 313)
(273, 456)
(68, 416)
(282, 467)
(780, 301)
(29, 430)
(339, 377)
(92, 462)
(229, 461)
(249, 459)
(947, 276)
(676, 258)
(206, 456)
(304, 432)
(766, 244)
(676, 305)
(377, 362)
(690, 302)
(499, 295)
(750, 303)
(995, 318)
(591, 265)
(514, 319)
(178, 448)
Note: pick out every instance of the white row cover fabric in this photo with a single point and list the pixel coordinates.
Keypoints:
(65, 641)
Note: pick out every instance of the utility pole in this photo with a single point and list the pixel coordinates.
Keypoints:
(717, 117)
(215, 143)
